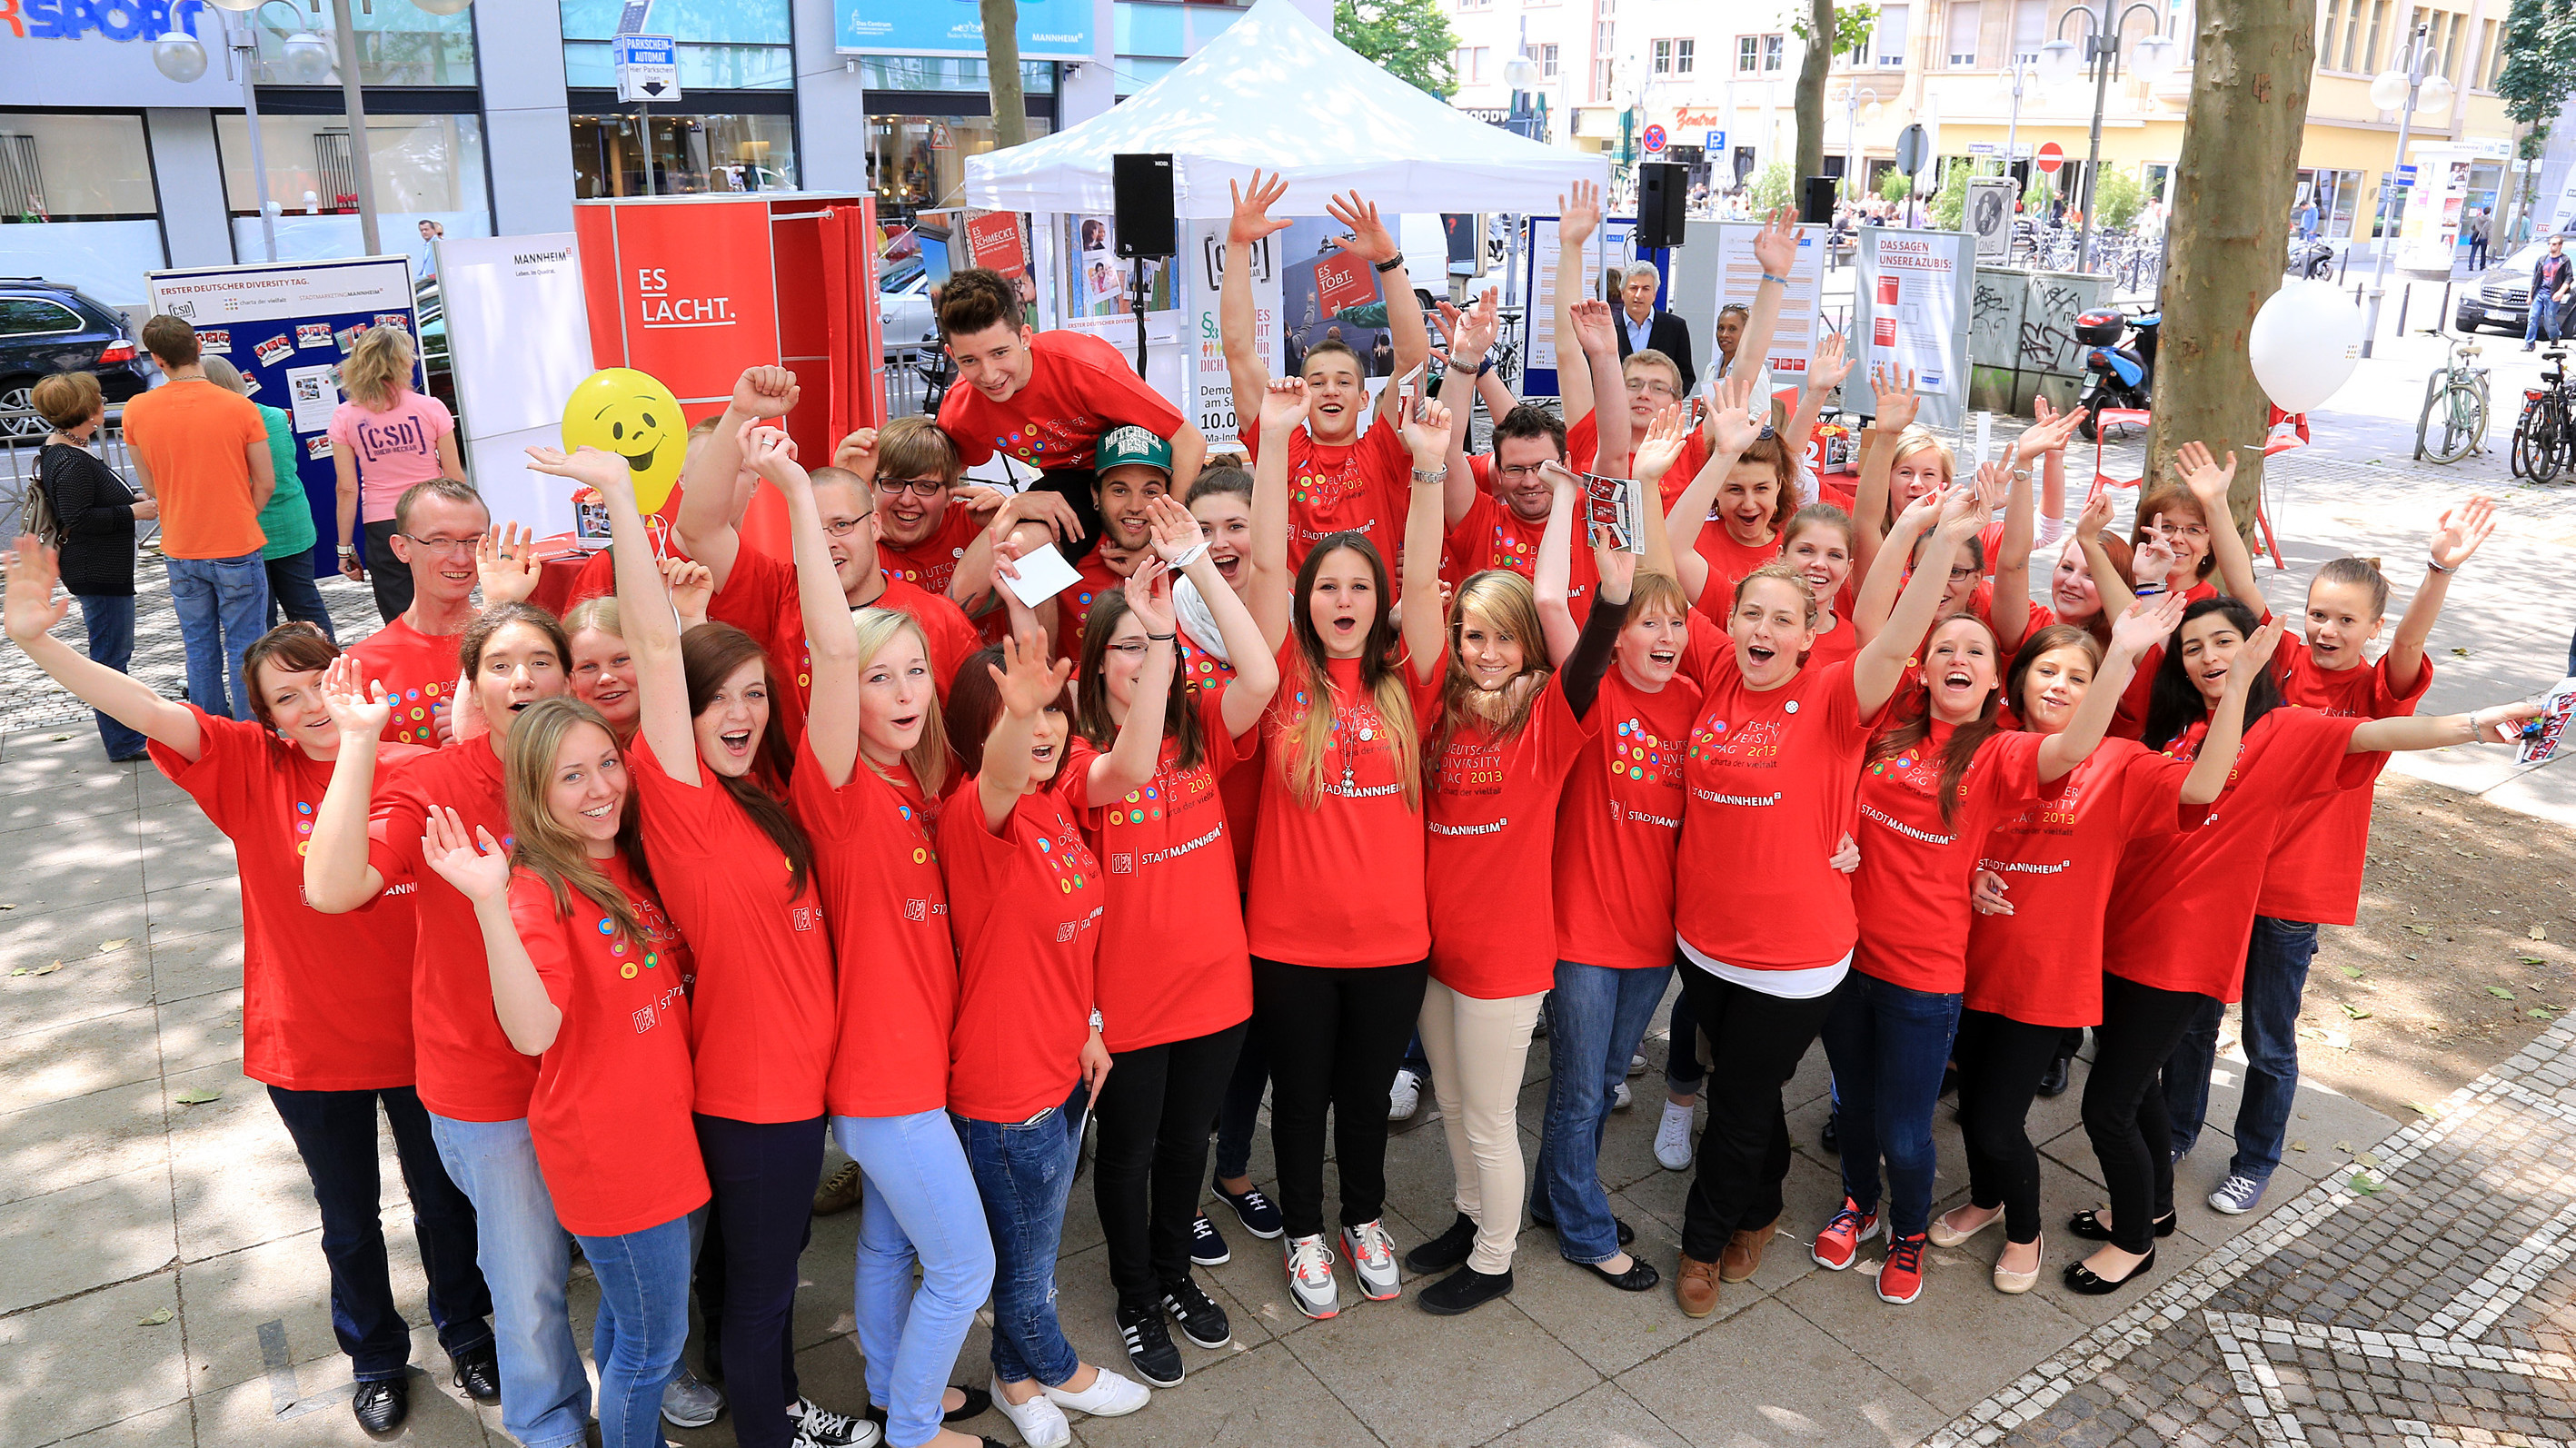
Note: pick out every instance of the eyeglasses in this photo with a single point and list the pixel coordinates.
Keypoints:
(2187, 530)
(443, 547)
(1521, 472)
(923, 488)
(1962, 575)
(1132, 648)
(1656, 388)
(844, 527)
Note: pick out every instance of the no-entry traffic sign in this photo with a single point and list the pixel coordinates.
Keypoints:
(2049, 158)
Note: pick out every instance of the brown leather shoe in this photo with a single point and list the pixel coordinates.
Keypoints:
(1696, 1286)
(1743, 1255)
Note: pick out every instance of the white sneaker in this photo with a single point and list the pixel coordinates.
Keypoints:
(2237, 1195)
(1404, 1097)
(1109, 1396)
(820, 1427)
(1636, 1065)
(1372, 1254)
(1673, 1138)
(1310, 1277)
(1623, 1098)
(1040, 1422)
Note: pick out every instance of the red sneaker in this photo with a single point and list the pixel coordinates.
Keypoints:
(1840, 1241)
(1900, 1278)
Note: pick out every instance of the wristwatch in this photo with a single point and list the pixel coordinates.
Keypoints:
(1391, 263)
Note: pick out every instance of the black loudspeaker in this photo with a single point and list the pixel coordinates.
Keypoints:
(1819, 207)
(1142, 184)
(1663, 204)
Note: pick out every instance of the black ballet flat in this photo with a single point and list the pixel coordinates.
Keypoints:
(2086, 1282)
(2089, 1227)
(1640, 1276)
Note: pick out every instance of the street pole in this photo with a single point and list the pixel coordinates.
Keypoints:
(2416, 55)
(244, 44)
(2106, 48)
(2012, 128)
(354, 102)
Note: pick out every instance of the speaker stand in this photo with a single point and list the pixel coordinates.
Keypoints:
(1136, 268)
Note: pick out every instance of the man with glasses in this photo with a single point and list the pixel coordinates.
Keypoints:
(437, 525)
(928, 528)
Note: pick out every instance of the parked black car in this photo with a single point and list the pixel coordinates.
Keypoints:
(47, 327)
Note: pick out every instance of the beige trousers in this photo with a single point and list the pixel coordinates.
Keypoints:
(1478, 1051)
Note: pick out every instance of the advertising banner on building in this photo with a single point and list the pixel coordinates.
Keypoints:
(285, 326)
(1049, 29)
(519, 343)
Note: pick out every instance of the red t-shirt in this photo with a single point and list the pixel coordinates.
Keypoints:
(610, 1115)
(1769, 779)
(762, 1016)
(1340, 884)
(1837, 645)
(1173, 963)
(326, 999)
(1617, 825)
(1094, 581)
(1363, 486)
(1583, 443)
(2042, 964)
(1730, 563)
(597, 579)
(468, 1070)
(878, 875)
(1491, 535)
(1079, 387)
(418, 671)
(759, 597)
(1028, 912)
(1490, 812)
(1911, 891)
(2315, 875)
(1240, 786)
(2129, 721)
(2183, 906)
(931, 564)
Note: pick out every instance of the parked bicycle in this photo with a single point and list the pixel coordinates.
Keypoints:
(2453, 423)
(2544, 437)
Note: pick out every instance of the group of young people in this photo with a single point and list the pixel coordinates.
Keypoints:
(1363, 739)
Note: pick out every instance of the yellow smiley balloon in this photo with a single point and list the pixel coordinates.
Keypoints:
(621, 410)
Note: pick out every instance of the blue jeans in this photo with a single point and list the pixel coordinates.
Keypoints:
(293, 593)
(223, 606)
(2544, 319)
(1888, 1045)
(335, 1133)
(525, 1254)
(1023, 1173)
(109, 618)
(1595, 1018)
(919, 1203)
(2185, 1079)
(643, 1324)
(2276, 978)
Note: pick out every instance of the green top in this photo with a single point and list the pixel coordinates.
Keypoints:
(288, 519)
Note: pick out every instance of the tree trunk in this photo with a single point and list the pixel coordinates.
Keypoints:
(1811, 95)
(1002, 67)
(2233, 185)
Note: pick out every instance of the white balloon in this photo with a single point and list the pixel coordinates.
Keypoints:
(2304, 344)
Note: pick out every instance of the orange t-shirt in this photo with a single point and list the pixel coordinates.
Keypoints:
(194, 439)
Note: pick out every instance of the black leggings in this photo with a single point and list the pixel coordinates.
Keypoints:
(1335, 1037)
(2000, 1063)
(1153, 1114)
(2124, 1103)
(389, 576)
(1756, 1041)
(763, 1175)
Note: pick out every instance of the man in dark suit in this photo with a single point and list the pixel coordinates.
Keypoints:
(1641, 327)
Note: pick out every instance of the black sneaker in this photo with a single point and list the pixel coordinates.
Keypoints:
(382, 1403)
(1201, 1320)
(1464, 1291)
(1445, 1251)
(2052, 1082)
(1207, 1248)
(1259, 1215)
(1149, 1347)
(478, 1372)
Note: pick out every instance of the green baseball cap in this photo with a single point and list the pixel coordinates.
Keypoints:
(1132, 444)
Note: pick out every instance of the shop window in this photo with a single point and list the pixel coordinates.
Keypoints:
(426, 168)
(948, 73)
(918, 163)
(689, 155)
(77, 204)
(398, 44)
(719, 44)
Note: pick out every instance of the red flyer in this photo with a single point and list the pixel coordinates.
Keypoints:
(993, 240)
(1344, 280)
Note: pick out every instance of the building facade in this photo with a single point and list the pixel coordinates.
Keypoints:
(491, 121)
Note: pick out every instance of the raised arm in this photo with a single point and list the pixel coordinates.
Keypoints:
(480, 870)
(1578, 214)
(2495, 724)
(1662, 446)
(1731, 429)
(1471, 336)
(1245, 367)
(1825, 372)
(1283, 410)
(2114, 587)
(1552, 577)
(2009, 615)
(337, 876)
(831, 635)
(1589, 659)
(1129, 764)
(2209, 483)
(1256, 665)
(1892, 412)
(1599, 338)
(1775, 246)
(2143, 627)
(1880, 665)
(31, 611)
(1886, 577)
(2461, 530)
(1425, 631)
(1370, 241)
(1029, 684)
(645, 617)
(2216, 762)
(705, 527)
(2043, 445)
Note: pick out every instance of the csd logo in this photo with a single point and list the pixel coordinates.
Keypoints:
(801, 916)
(1064, 932)
(1122, 863)
(916, 909)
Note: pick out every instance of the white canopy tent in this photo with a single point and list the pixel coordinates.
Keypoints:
(1277, 93)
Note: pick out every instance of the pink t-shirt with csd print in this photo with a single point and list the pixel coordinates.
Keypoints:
(395, 448)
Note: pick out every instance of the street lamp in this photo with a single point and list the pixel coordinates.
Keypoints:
(2101, 47)
(2406, 92)
(1852, 97)
(2025, 71)
(1521, 74)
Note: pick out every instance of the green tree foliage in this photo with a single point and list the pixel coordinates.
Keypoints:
(1774, 187)
(2116, 199)
(1853, 24)
(1410, 38)
(2540, 61)
(1950, 204)
(1895, 185)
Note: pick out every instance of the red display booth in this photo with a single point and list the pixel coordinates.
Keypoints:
(693, 289)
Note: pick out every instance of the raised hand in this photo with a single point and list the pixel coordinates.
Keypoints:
(1471, 332)
(1895, 400)
(2207, 480)
(1174, 530)
(2049, 434)
(1994, 486)
(1149, 593)
(2461, 530)
(1964, 512)
(359, 707)
(505, 562)
(1830, 366)
(591, 466)
(475, 864)
(1776, 244)
(1252, 203)
(1369, 239)
(2151, 560)
(1285, 404)
(692, 588)
(1578, 213)
(769, 453)
(2255, 654)
(1427, 434)
(1027, 681)
(2146, 625)
(1731, 426)
(1666, 436)
(2094, 516)
(858, 453)
(1592, 332)
(765, 392)
(31, 609)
